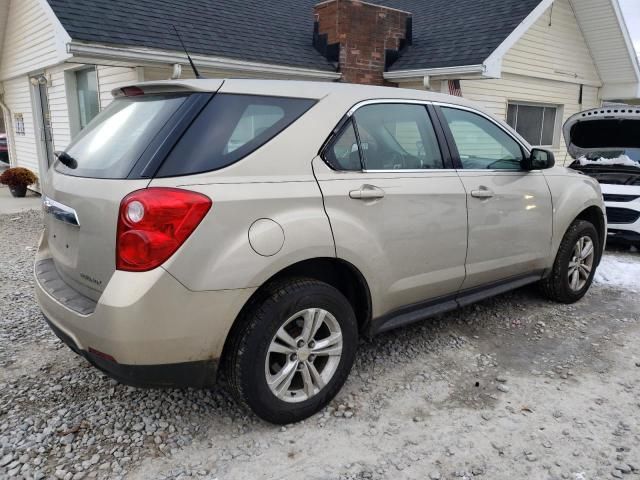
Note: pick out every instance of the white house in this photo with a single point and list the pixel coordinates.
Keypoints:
(531, 62)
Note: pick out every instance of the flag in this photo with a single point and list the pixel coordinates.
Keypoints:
(454, 88)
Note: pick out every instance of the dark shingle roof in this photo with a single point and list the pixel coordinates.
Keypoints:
(449, 33)
(251, 30)
(445, 32)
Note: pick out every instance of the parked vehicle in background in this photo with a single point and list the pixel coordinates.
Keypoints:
(261, 227)
(605, 143)
(4, 148)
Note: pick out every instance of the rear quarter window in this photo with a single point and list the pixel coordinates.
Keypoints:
(230, 128)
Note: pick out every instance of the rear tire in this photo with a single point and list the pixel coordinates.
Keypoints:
(569, 279)
(275, 337)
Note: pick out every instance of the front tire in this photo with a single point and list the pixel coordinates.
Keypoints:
(293, 350)
(575, 264)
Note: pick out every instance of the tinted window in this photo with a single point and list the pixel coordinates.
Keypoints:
(229, 128)
(397, 136)
(344, 153)
(114, 141)
(481, 143)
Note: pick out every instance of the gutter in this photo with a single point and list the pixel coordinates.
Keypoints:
(433, 72)
(151, 56)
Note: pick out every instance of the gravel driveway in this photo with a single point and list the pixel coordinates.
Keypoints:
(512, 388)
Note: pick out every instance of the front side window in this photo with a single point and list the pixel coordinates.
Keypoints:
(536, 124)
(397, 137)
(481, 143)
(87, 91)
(229, 128)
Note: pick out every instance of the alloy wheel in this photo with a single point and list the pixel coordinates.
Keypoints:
(581, 263)
(303, 355)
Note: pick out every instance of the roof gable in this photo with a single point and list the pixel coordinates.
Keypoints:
(553, 47)
(32, 38)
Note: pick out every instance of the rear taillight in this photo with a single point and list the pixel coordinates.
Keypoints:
(154, 223)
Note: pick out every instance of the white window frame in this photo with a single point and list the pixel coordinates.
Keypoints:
(71, 87)
(556, 126)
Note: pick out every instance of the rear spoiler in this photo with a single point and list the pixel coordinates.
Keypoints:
(169, 86)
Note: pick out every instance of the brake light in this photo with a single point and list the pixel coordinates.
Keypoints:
(154, 223)
(132, 91)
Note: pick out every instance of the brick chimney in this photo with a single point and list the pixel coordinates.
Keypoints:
(362, 38)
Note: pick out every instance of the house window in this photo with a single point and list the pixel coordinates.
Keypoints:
(87, 89)
(536, 123)
(18, 124)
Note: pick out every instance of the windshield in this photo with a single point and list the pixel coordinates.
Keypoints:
(113, 142)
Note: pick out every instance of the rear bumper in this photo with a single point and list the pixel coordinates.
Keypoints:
(177, 375)
(147, 329)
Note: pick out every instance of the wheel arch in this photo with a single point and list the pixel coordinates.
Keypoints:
(575, 197)
(596, 217)
(340, 274)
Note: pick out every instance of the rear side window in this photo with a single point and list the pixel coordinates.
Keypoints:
(397, 137)
(116, 138)
(230, 128)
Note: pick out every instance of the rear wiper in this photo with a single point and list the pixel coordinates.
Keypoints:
(66, 159)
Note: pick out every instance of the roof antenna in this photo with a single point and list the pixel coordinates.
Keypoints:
(193, 67)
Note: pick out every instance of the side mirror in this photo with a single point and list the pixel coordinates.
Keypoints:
(539, 159)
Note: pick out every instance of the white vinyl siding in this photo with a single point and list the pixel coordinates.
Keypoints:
(553, 48)
(606, 41)
(61, 130)
(17, 96)
(4, 15)
(29, 39)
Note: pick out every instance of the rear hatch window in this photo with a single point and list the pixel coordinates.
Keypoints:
(113, 142)
(229, 128)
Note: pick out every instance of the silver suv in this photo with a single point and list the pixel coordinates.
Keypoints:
(259, 228)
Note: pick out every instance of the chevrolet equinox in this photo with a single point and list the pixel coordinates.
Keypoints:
(256, 229)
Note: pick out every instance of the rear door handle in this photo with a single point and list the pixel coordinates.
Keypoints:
(367, 192)
(482, 192)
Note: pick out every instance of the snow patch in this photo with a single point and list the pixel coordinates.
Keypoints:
(619, 271)
(621, 160)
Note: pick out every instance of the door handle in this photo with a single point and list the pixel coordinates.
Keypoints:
(482, 192)
(367, 192)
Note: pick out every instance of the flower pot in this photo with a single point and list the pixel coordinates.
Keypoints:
(18, 190)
